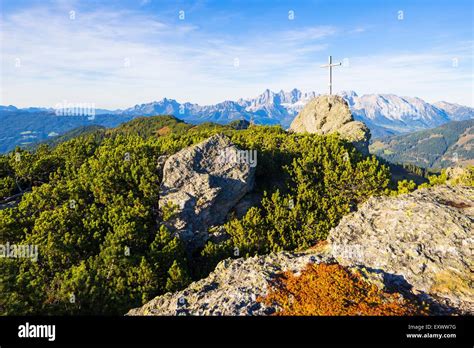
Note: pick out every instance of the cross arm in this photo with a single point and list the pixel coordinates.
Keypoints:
(329, 65)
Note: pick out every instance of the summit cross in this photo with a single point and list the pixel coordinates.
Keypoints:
(330, 65)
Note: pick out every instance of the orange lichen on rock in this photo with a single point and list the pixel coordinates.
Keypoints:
(330, 289)
(163, 131)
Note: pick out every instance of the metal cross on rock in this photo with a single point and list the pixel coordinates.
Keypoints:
(330, 65)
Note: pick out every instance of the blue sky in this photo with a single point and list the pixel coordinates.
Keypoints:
(116, 54)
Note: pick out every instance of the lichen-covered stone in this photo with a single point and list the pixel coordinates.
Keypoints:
(203, 183)
(418, 244)
(232, 288)
(424, 239)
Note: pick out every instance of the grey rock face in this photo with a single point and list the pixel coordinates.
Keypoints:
(424, 239)
(330, 114)
(232, 288)
(204, 182)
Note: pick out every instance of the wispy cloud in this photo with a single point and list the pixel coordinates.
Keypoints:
(63, 57)
(357, 30)
(116, 58)
(311, 33)
(433, 75)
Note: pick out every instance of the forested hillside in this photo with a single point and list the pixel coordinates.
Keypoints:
(451, 144)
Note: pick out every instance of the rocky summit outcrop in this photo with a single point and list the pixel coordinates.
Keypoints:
(423, 240)
(331, 114)
(418, 244)
(203, 183)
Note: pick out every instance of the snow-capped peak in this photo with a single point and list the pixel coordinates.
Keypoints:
(387, 112)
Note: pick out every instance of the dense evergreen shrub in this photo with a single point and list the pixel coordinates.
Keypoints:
(90, 205)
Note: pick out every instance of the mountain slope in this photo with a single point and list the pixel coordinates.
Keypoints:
(73, 133)
(384, 114)
(397, 114)
(456, 112)
(23, 128)
(448, 145)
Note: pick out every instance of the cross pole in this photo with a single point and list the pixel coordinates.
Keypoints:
(330, 65)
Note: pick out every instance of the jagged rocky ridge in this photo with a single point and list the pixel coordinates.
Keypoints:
(419, 244)
(384, 114)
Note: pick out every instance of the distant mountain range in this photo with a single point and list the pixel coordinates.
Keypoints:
(388, 114)
(451, 144)
(384, 114)
(268, 108)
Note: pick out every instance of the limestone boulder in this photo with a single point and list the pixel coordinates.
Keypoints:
(203, 183)
(422, 241)
(331, 114)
